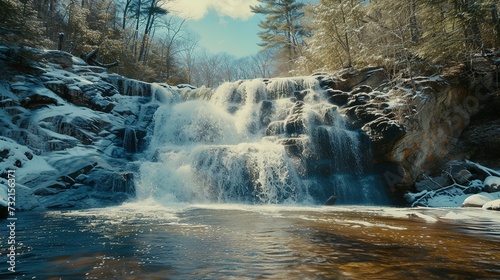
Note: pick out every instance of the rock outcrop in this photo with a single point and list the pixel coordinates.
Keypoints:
(70, 130)
(417, 125)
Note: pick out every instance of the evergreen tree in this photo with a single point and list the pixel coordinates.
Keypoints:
(283, 29)
(335, 41)
(19, 23)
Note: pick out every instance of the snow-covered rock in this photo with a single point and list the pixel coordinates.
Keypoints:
(492, 205)
(474, 186)
(477, 200)
(69, 130)
(492, 184)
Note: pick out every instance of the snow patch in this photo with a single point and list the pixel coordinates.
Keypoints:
(21, 159)
(455, 216)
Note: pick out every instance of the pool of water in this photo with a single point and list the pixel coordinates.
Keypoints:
(220, 241)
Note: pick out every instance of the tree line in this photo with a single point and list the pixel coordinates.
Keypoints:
(148, 41)
(407, 37)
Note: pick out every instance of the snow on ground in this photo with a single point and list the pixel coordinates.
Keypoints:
(21, 159)
(458, 200)
(3, 193)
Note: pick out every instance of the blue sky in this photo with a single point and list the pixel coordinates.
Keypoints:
(224, 34)
(223, 25)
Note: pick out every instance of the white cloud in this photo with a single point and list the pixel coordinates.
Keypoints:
(196, 9)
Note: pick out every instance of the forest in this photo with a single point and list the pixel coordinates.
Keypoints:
(408, 38)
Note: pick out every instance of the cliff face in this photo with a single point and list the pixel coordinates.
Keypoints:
(418, 125)
(69, 130)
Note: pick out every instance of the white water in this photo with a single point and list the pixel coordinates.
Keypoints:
(254, 142)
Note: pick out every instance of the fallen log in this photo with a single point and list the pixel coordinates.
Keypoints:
(90, 59)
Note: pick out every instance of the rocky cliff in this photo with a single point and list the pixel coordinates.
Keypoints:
(69, 130)
(426, 127)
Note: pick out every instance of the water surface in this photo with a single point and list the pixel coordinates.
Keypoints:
(144, 241)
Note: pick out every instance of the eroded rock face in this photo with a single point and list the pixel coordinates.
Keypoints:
(418, 125)
(69, 129)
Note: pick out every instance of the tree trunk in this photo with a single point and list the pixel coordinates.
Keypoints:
(125, 10)
(415, 36)
(496, 23)
(147, 30)
(136, 31)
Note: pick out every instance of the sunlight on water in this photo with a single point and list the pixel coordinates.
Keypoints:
(146, 240)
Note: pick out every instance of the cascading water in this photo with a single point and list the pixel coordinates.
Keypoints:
(257, 141)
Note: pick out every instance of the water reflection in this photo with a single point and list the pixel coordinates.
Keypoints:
(258, 242)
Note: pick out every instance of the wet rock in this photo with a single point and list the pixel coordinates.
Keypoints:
(130, 87)
(327, 82)
(111, 181)
(337, 97)
(45, 191)
(384, 133)
(360, 115)
(275, 128)
(294, 146)
(266, 110)
(90, 97)
(323, 143)
(361, 89)
(295, 122)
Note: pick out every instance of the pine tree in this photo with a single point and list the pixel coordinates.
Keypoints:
(336, 40)
(19, 23)
(283, 30)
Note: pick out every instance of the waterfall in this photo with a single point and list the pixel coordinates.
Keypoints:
(256, 141)
(130, 141)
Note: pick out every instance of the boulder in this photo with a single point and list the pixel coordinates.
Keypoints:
(384, 134)
(492, 184)
(474, 186)
(338, 98)
(295, 123)
(462, 176)
(61, 58)
(476, 200)
(492, 205)
(370, 76)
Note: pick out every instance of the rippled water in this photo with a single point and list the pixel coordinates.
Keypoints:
(139, 241)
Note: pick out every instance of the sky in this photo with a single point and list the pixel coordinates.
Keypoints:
(223, 25)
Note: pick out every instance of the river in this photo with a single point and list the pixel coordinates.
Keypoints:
(233, 241)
